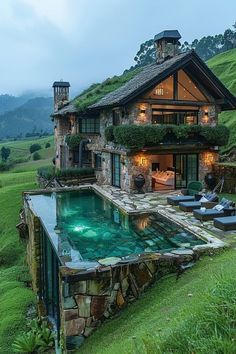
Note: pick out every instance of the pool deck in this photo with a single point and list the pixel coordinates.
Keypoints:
(156, 202)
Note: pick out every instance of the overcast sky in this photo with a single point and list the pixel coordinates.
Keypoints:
(85, 41)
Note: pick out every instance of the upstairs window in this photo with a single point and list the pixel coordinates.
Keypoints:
(164, 90)
(90, 125)
(177, 87)
(187, 89)
(181, 117)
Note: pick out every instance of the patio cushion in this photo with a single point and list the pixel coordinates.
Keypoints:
(226, 223)
(189, 206)
(175, 200)
(208, 214)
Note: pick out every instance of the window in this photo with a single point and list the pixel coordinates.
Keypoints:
(164, 90)
(168, 117)
(90, 125)
(187, 89)
(179, 86)
(97, 161)
(115, 117)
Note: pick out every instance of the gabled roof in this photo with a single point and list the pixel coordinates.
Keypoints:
(154, 73)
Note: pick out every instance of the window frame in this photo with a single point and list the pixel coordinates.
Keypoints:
(88, 127)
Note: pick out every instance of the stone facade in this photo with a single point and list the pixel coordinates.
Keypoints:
(139, 113)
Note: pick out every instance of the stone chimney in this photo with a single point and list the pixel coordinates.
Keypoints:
(61, 94)
(167, 45)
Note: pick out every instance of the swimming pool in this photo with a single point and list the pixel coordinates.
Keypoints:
(84, 226)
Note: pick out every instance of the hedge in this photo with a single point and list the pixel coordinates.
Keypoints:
(46, 172)
(75, 172)
(219, 135)
(139, 136)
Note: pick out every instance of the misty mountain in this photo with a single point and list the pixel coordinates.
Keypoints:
(31, 116)
(9, 102)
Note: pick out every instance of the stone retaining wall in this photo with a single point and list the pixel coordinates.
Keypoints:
(89, 298)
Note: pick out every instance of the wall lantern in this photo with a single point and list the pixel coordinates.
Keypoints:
(205, 119)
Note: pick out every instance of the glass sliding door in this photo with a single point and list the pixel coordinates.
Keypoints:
(180, 163)
(115, 163)
(186, 169)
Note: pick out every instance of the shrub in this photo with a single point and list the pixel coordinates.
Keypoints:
(46, 172)
(36, 156)
(218, 135)
(75, 172)
(154, 134)
(130, 136)
(73, 141)
(5, 166)
(38, 339)
(109, 133)
(47, 145)
(181, 131)
(34, 147)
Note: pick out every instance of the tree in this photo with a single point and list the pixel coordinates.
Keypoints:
(47, 145)
(5, 153)
(34, 147)
(36, 156)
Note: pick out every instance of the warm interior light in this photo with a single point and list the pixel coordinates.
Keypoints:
(208, 158)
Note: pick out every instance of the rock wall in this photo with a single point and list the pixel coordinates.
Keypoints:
(89, 298)
(206, 162)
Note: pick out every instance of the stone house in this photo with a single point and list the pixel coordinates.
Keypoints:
(175, 91)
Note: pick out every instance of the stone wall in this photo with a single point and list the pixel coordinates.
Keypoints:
(208, 115)
(33, 247)
(89, 298)
(206, 162)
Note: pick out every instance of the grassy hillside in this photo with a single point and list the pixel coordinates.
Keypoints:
(166, 312)
(15, 297)
(22, 158)
(224, 67)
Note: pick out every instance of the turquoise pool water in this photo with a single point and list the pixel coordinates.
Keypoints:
(82, 224)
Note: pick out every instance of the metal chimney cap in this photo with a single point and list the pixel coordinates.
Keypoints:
(168, 34)
(61, 84)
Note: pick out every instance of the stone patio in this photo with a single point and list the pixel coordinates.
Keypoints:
(156, 202)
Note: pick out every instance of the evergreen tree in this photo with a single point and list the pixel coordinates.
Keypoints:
(5, 153)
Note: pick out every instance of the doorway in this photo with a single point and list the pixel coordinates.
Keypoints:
(116, 170)
(186, 169)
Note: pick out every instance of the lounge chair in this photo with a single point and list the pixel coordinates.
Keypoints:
(193, 188)
(226, 223)
(175, 200)
(208, 201)
(217, 211)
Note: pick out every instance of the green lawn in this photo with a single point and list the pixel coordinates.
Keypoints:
(20, 150)
(163, 309)
(15, 297)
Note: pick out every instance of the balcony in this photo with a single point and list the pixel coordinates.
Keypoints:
(137, 137)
